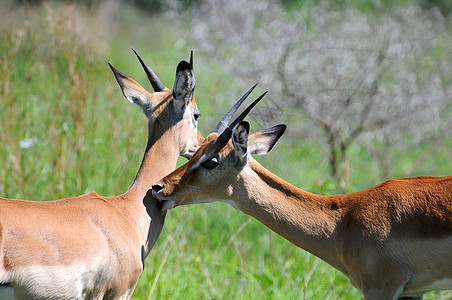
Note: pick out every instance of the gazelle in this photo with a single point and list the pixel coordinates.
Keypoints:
(91, 246)
(392, 240)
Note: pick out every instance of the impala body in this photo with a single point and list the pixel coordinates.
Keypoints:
(393, 240)
(90, 246)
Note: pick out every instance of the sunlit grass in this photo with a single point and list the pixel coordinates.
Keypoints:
(59, 98)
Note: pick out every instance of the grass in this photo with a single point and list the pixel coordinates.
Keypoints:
(58, 94)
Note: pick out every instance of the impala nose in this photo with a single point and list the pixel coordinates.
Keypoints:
(157, 187)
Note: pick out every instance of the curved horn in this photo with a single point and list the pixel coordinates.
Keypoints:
(155, 81)
(226, 134)
(223, 124)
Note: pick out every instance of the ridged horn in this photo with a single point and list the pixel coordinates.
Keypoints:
(227, 133)
(223, 124)
(157, 85)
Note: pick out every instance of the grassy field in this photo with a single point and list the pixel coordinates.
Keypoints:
(65, 130)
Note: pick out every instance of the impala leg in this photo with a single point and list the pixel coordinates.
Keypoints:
(385, 291)
(379, 294)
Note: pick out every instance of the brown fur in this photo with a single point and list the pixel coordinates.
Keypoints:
(90, 246)
(391, 240)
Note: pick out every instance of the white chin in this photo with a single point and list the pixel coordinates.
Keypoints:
(189, 153)
(168, 204)
(158, 197)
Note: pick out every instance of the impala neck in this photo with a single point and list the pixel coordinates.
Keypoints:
(159, 159)
(307, 220)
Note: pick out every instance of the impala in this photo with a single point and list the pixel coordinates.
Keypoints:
(91, 246)
(393, 240)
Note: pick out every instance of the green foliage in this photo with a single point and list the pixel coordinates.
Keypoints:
(444, 6)
(58, 94)
(52, 100)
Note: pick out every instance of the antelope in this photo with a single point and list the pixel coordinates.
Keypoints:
(392, 241)
(91, 246)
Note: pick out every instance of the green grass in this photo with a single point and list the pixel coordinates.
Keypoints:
(57, 89)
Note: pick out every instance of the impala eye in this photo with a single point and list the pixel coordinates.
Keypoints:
(196, 116)
(211, 163)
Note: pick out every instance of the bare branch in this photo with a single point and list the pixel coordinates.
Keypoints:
(357, 78)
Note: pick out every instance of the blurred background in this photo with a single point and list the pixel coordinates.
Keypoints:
(364, 86)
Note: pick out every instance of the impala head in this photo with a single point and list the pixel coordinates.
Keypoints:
(168, 111)
(211, 174)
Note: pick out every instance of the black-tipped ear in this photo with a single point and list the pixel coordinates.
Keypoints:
(133, 91)
(119, 76)
(240, 140)
(262, 142)
(246, 126)
(182, 66)
(184, 85)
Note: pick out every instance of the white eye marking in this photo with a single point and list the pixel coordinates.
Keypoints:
(206, 159)
(210, 164)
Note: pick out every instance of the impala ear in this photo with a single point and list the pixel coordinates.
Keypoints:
(240, 140)
(184, 85)
(262, 142)
(133, 91)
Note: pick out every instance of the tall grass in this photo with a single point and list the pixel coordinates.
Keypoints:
(65, 130)
(59, 95)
